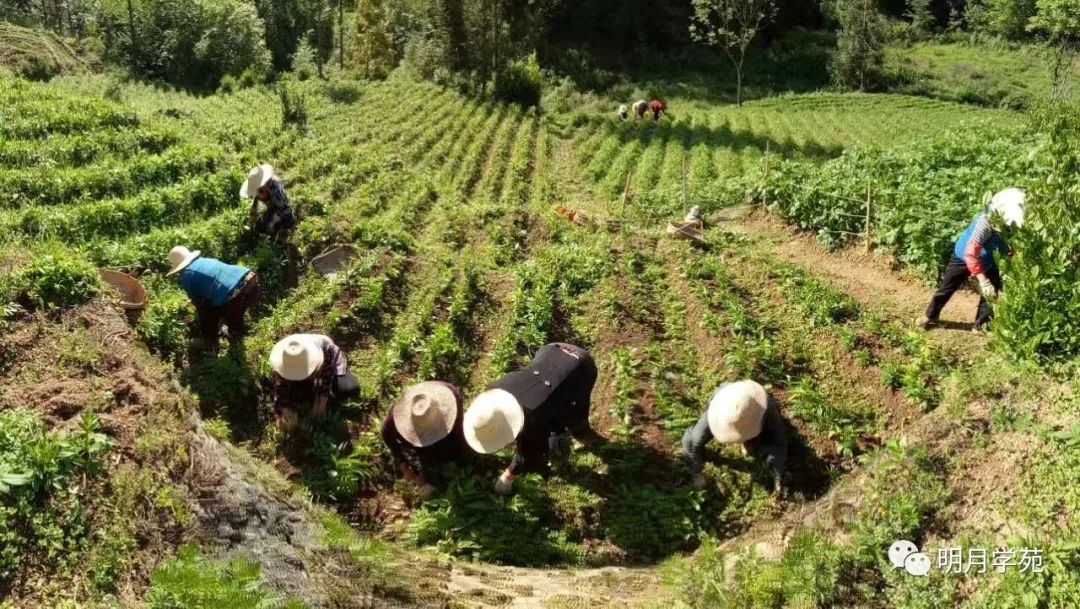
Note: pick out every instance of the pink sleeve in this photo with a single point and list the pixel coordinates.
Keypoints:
(971, 257)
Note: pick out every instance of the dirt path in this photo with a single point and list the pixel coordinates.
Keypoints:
(867, 277)
(480, 586)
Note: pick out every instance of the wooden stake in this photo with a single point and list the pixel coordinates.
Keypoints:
(685, 173)
(765, 185)
(869, 202)
(625, 196)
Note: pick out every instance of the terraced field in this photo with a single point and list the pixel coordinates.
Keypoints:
(463, 270)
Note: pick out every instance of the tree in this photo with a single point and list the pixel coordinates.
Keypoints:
(1059, 20)
(922, 18)
(373, 47)
(860, 45)
(732, 26)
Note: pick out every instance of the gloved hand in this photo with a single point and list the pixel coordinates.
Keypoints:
(699, 480)
(428, 491)
(987, 289)
(504, 484)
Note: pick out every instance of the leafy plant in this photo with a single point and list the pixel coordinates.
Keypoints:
(193, 581)
(57, 280)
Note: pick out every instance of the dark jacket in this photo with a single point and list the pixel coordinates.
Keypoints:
(295, 394)
(422, 460)
(555, 390)
(771, 444)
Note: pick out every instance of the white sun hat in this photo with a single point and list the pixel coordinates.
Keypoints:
(493, 421)
(737, 411)
(296, 357)
(256, 179)
(179, 259)
(1009, 203)
(425, 413)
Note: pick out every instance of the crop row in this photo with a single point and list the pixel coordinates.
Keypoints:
(117, 178)
(152, 208)
(84, 148)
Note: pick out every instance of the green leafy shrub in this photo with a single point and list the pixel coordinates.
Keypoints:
(165, 322)
(521, 82)
(470, 520)
(648, 522)
(44, 505)
(1038, 317)
(293, 104)
(192, 581)
(57, 280)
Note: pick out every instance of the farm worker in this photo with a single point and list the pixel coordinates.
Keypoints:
(624, 112)
(973, 256)
(220, 292)
(657, 108)
(739, 412)
(640, 107)
(539, 406)
(309, 369)
(262, 186)
(423, 430)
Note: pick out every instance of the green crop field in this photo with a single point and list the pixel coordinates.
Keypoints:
(462, 270)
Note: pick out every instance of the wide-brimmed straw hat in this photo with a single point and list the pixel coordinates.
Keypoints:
(493, 421)
(1009, 203)
(179, 259)
(425, 413)
(737, 411)
(256, 179)
(296, 357)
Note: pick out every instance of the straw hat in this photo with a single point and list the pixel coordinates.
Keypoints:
(256, 179)
(179, 259)
(737, 411)
(425, 414)
(493, 420)
(1009, 203)
(296, 357)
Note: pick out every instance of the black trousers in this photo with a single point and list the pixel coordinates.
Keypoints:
(956, 274)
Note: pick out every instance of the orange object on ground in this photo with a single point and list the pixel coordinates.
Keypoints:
(574, 216)
(133, 295)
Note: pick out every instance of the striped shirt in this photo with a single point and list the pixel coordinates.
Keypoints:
(977, 245)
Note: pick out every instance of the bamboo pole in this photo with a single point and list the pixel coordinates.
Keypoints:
(765, 184)
(625, 196)
(869, 203)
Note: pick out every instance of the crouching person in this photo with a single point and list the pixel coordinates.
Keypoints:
(539, 406)
(423, 432)
(740, 412)
(220, 292)
(309, 371)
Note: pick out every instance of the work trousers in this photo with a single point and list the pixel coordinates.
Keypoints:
(232, 312)
(956, 274)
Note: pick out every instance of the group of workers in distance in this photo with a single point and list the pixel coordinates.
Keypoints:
(640, 107)
(542, 407)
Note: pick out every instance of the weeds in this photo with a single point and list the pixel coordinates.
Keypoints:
(192, 581)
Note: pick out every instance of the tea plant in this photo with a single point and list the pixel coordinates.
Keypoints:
(196, 582)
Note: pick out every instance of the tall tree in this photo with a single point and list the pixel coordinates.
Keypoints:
(373, 46)
(860, 45)
(1059, 21)
(732, 26)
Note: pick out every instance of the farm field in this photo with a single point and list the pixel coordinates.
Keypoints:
(463, 269)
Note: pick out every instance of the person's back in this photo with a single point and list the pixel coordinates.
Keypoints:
(978, 244)
(211, 282)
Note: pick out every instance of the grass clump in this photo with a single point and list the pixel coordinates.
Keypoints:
(192, 581)
(56, 280)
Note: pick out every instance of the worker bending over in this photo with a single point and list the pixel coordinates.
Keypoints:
(423, 431)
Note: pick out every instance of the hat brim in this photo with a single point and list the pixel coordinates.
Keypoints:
(513, 414)
(186, 262)
(442, 399)
(277, 358)
(249, 186)
(727, 431)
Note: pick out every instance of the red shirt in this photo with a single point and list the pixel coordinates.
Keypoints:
(657, 106)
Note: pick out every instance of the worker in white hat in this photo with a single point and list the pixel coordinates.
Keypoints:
(973, 256)
(309, 371)
(640, 107)
(539, 407)
(220, 292)
(423, 431)
(264, 187)
(743, 413)
(624, 112)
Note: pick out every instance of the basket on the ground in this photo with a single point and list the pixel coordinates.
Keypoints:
(133, 295)
(333, 260)
(686, 230)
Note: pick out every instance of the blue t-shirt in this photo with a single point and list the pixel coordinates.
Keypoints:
(980, 241)
(210, 282)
